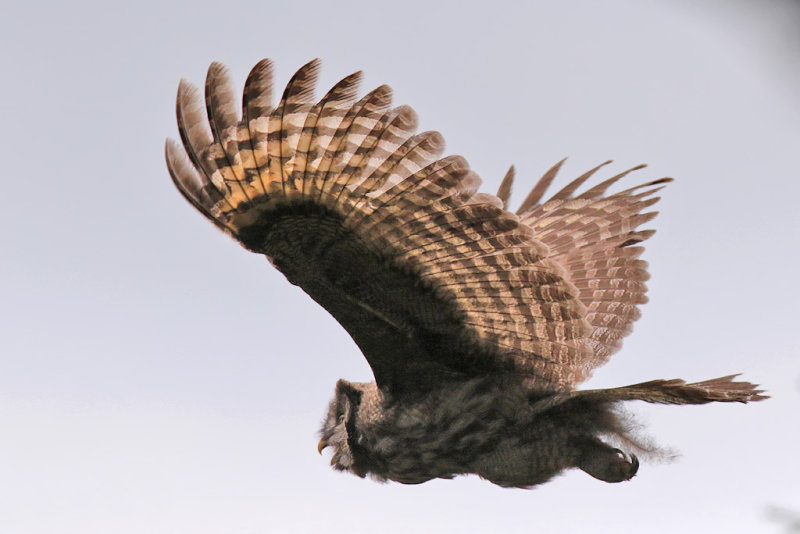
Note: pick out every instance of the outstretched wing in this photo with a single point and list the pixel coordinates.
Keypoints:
(431, 278)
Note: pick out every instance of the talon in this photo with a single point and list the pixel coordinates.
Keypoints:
(631, 466)
(607, 463)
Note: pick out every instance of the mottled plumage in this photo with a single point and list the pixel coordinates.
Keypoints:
(478, 323)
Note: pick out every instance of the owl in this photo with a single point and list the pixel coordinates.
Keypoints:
(478, 323)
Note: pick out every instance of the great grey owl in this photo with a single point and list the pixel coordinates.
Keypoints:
(478, 323)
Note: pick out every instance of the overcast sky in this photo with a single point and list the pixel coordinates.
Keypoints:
(155, 377)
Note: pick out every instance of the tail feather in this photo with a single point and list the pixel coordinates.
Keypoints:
(677, 391)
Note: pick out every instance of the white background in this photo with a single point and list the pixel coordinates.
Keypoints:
(155, 377)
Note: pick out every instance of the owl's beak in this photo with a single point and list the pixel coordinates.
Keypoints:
(321, 445)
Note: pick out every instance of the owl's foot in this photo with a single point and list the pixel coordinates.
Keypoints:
(606, 463)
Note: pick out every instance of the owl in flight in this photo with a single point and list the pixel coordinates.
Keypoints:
(478, 323)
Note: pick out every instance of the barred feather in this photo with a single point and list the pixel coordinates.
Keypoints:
(677, 391)
(590, 235)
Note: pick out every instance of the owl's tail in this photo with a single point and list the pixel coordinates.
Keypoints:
(677, 391)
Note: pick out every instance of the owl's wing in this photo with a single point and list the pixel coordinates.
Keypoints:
(430, 278)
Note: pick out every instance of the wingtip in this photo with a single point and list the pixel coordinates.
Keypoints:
(217, 67)
(169, 144)
(186, 89)
(355, 76)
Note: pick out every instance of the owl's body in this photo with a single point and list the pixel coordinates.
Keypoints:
(491, 427)
(478, 323)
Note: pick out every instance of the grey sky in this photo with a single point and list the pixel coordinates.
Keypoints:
(155, 377)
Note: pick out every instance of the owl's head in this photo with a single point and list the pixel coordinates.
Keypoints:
(340, 430)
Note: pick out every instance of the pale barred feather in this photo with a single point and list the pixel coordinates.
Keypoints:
(524, 328)
(486, 198)
(193, 188)
(387, 134)
(432, 253)
(590, 234)
(300, 163)
(252, 137)
(192, 123)
(200, 145)
(246, 159)
(196, 136)
(519, 297)
(354, 128)
(223, 119)
(444, 173)
(338, 113)
(447, 185)
(506, 260)
(437, 252)
(392, 145)
(548, 288)
(257, 98)
(423, 209)
(359, 144)
(409, 158)
(392, 207)
(286, 126)
(426, 225)
(220, 101)
(331, 110)
(577, 222)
